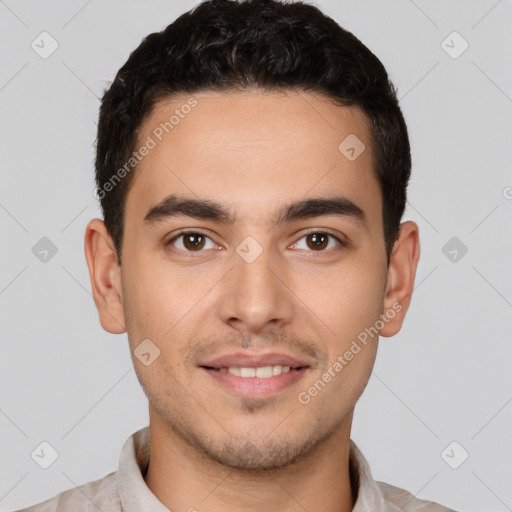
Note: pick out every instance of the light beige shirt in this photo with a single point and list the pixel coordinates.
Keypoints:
(125, 489)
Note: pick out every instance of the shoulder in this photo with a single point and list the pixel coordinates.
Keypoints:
(399, 499)
(99, 494)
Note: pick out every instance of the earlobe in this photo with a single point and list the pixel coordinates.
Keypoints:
(105, 275)
(400, 279)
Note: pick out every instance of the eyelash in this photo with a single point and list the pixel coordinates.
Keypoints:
(312, 232)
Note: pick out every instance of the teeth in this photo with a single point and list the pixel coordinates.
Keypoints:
(247, 372)
(262, 372)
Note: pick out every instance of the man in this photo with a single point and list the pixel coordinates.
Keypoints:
(252, 166)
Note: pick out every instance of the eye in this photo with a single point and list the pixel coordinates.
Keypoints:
(192, 241)
(195, 241)
(319, 241)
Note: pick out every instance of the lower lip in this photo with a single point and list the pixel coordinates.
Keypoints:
(253, 386)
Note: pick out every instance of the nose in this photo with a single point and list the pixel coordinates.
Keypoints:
(256, 296)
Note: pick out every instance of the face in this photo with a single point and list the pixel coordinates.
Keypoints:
(253, 312)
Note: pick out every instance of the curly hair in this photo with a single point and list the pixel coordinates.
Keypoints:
(223, 45)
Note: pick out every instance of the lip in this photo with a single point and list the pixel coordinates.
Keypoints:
(255, 387)
(240, 359)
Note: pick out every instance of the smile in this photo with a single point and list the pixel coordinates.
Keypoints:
(261, 372)
(254, 382)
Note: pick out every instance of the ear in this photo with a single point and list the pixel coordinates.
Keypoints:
(105, 274)
(400, 278)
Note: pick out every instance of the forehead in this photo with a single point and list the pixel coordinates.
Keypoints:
(251, 150)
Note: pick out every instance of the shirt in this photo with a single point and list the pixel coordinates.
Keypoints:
(125, 489)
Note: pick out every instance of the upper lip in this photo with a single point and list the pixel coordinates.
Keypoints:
(244, 360)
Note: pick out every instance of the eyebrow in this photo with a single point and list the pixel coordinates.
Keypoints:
(175, 206)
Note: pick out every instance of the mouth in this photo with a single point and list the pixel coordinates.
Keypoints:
(253, 376)
(260, 372)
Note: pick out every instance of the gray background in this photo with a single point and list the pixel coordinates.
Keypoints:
(445, 377)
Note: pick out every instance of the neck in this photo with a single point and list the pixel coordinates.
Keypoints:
(184, 480)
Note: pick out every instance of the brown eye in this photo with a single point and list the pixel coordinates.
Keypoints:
(319, 241)
(191, 241)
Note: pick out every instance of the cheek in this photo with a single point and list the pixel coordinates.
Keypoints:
(159, 296)
(350, 309)
(163, 305)
(346, 299)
